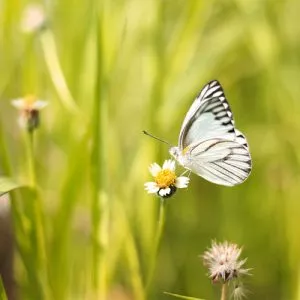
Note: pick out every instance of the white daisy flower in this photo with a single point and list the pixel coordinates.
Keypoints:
(29, 108)
(165, 181)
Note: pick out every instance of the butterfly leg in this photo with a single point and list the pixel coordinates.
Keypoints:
(186, 171)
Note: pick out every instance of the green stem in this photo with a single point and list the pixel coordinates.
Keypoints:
(100, 208)
(36, 216)
(224, 291)
(160, 227)
(30, 159)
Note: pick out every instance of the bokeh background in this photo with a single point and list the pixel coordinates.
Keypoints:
(110, 69)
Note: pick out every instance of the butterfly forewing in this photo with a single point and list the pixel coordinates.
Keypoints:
(241, 139)
(209, 117)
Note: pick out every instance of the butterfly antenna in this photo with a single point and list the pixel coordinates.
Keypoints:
(155, 137)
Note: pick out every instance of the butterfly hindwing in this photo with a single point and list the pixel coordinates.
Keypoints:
(223, 162)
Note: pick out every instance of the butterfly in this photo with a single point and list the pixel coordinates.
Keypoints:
(209, 145)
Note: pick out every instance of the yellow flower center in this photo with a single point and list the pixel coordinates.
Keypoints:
(29, 101)
(165, 178)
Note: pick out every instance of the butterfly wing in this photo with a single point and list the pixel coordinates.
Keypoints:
(209, 117)
(220, 161)
(217, 151)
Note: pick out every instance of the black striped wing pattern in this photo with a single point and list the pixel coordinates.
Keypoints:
(213, 147)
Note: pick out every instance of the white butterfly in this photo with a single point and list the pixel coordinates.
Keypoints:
(209, 145)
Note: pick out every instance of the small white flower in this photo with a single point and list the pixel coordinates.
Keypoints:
(29, 108)
(33, 18)
(29, 103)
(223, 262)
(165, 180)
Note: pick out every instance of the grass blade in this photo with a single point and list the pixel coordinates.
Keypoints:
(7, 185)
(2, 291)
(182, 297)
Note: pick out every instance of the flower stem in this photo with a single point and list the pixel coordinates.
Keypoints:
(30, 159)
(160, 227)
(36, 216)
(224, 291)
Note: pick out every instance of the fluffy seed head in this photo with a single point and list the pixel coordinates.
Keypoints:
(238, 292)
(223, 263)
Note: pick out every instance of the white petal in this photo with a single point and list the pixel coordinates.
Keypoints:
(154, 169)
(39, 104)
(151, 187)
(164, 192)
(167, 190)
(169, 164)
(18, 103)
(182, 182)
(33, 18)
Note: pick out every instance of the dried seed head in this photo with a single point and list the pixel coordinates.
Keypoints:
(238, 292)
(223, 263)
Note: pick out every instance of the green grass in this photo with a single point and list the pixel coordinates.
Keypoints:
(110, 69)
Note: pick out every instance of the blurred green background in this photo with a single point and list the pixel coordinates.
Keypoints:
(110, 69)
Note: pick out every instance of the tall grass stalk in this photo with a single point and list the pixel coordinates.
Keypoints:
(131, 252)
(51, 58)
(156, 100)
(159, 232)
(134, 269)
(99, 205)
(36, 216)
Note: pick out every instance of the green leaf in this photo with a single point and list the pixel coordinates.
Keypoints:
(7, 185)
(2, 291)
(182, 297)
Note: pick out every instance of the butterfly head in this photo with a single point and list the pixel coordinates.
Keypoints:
(181, 156)
(175, 152)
